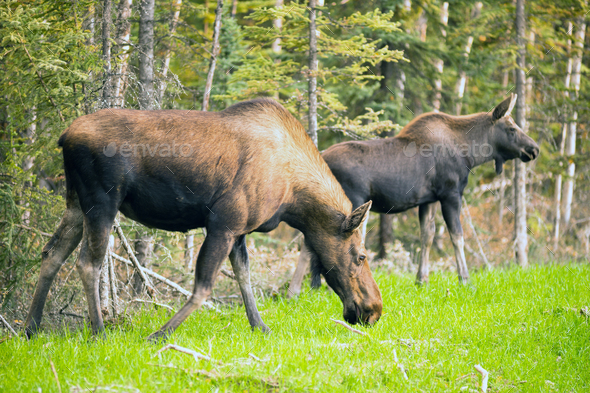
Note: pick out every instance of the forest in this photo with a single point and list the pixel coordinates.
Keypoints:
(348, 71)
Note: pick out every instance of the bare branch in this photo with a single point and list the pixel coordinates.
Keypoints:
(196, 355)
(348, 327)
(8, 326)
(484, 377)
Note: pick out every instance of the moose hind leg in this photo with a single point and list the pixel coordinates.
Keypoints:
(427, 231)
(54, 254)
(451, 209)
(215, 249)
(241, 266)
(89, 264)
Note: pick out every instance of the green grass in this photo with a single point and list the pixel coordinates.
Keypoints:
(523, 327)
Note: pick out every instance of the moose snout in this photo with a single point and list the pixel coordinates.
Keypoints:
(367, 314)
(529, 153)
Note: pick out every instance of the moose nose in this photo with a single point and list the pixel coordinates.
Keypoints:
(533, 151)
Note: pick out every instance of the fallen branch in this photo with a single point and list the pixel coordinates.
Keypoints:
(348, 327)
(196, 355)
(162, 279)
(8, 326)
(399, 365)
(150, 289)
(484, 377)
(228, 274)
(154, 303)
(55, 375)
(257, 358)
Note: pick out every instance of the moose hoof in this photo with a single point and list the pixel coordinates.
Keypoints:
(158, 337)
(420, 282)
(261, 328)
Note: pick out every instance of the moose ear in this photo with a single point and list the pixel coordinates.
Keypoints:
(504, 108)
(356, 218)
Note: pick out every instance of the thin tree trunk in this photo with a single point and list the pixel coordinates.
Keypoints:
(462, 81)
(106, 53)
(166, 66)
(190, 239)
(313, 68)
(559, 179)
(112, 277)
(278, 24)
(214, 54)
(234, 8)
(206, 23)
(146, 54)
(520, 228)
(438, 63)
(121, 54)
(570, 144)
(105, 284)
(189, 252)
(143, 247)
(88, 24)
(503, 174)
(385, 233)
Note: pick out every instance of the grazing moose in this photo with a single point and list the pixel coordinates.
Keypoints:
(241, 170)
(429, 161)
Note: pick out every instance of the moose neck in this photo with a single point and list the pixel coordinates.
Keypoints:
(475, 132)
(318, 205)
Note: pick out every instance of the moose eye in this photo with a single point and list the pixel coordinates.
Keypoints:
(512, 129)
(362, 258)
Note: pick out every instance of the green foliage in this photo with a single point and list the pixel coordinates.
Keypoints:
(46, 83)
(345, 56)
(523, 326)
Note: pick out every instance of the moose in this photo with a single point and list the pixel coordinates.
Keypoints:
(429, 161)
(244, 169)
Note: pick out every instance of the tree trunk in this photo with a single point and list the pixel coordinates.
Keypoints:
(112, 277)
(385, 233)
(278, 24)
(520, 228)
(214, 54)
(570, 143)
(143, 246)
(106, 53)
(189, 252)
(121, 54)
(313, 68)
(559, 179)
(438, 63)
(503, 174)
(146, 54)
(166, 66)
(234, 8)
(190, 239)
(462, 81)
(105, 289)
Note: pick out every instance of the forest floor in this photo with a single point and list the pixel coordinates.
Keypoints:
(528, 328)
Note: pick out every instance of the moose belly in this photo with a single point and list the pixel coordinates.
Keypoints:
(165, 207)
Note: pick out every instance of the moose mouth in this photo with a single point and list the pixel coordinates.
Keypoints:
(354, 315)
(529, 153)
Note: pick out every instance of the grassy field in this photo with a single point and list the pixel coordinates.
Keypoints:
(524, 327)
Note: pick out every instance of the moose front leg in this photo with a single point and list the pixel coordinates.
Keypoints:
(451, 209)
(241, 266)
(215, 249)
(426, 213)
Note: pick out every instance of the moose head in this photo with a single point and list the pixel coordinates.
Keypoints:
(508, 140)
(339, 255)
